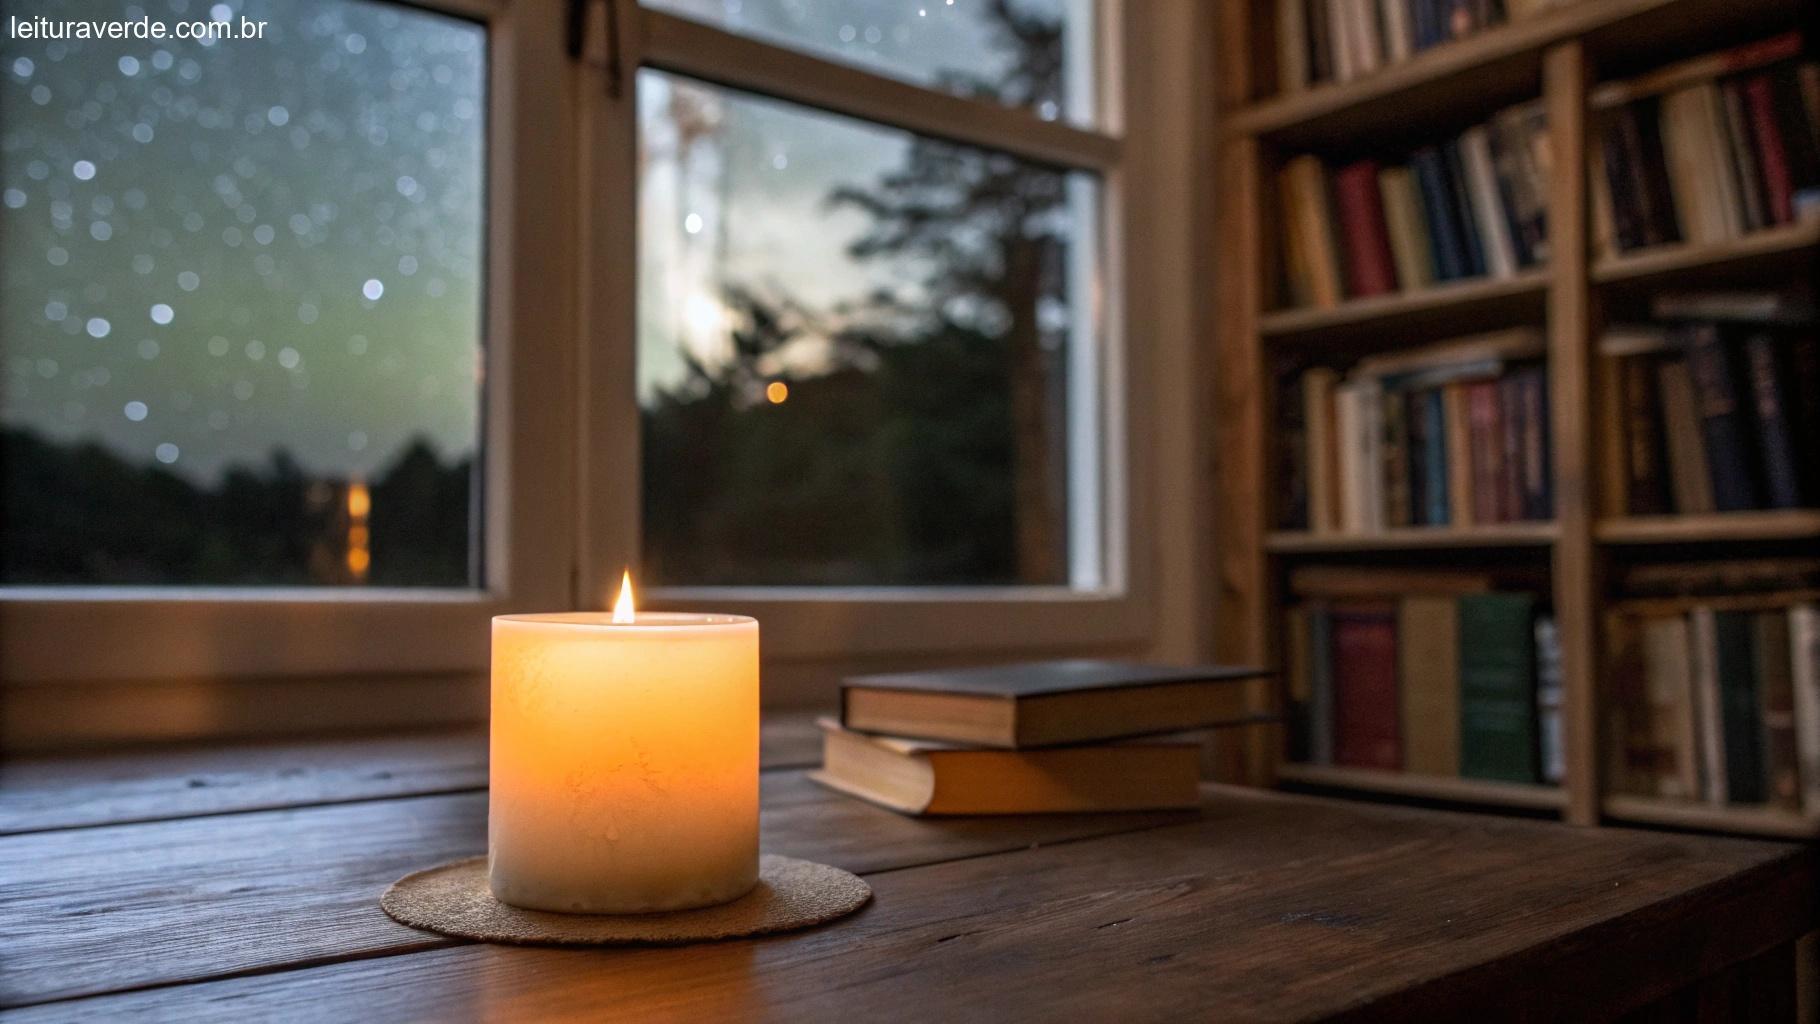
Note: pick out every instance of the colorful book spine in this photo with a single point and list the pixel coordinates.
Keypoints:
(1498, 687)
(1550, 693)
(1370, 266)
(1367, 733)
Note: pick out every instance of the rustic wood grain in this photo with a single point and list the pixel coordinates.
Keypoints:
(73, 790)
(153, 784)
(1270, 908)
(101, 909)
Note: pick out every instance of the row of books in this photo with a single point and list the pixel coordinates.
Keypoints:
(1707, 150)
(1718, 705)
(1472, 206)
(1058, 736)
(1703, 416)
(1448, 678)
(1452, 434)
(1339, 40)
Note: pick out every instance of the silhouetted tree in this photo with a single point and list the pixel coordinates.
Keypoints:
(923, 446)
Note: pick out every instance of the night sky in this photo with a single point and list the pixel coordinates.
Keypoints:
(208, 251)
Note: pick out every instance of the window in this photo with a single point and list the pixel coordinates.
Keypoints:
(854, 350)
(819, 325)
(870, 352)
(241, 303)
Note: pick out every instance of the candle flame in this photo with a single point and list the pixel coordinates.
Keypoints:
(622, 608)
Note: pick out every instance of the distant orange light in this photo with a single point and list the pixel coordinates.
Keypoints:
(777, 392)
(360, 501)
(623, 611)
(358, 561)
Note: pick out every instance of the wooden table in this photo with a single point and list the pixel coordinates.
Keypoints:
(243, 883)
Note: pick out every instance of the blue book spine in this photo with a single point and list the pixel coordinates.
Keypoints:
(1472, 250)
(1781, 467)
(1443, 233)
(1434, 415)
(1729, 458)
(1422, 13)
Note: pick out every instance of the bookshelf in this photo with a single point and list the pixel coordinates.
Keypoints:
(1415, 538)
(1559, 57)
(1426, 787)
(1460, 301)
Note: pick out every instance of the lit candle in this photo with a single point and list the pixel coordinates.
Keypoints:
(624, 760)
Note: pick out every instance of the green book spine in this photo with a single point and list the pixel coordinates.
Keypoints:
(1740, 712)
(1498, 687)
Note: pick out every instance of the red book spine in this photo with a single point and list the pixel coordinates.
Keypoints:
(1485, 425)
(1370, 268)
(1366, 732)
(1778, 188)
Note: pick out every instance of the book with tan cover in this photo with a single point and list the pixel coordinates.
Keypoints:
(1408, 227)
(924, 777)
(1428, 654)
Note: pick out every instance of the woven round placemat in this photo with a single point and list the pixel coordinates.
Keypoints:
(454, 899)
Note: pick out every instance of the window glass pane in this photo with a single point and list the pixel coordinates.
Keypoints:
(240, 298)
(861, 352)
(1023, 53)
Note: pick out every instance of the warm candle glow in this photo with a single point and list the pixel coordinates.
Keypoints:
(624, 761)
(623, 613)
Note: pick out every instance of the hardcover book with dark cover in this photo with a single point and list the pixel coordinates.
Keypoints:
(1724, 423)
(1783, 486)
(1443, 217)
(1646, 484)
(1740, 708)
(1050, 702)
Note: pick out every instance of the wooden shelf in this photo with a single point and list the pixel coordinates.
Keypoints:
(1667, 260)
(1443, 305)
(1415, 538)
(1558, 57)
(1429, 787)
(1775, 524)
(1758, 821)
(1496, 67)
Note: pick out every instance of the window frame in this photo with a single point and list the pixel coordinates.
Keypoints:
(853, 623)
(561, 417)
(528, 539)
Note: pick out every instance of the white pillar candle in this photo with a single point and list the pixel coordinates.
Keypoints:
(624, 761)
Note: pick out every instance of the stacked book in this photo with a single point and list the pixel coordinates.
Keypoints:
(1452, 434)
(1018, 739)
(1718, 704)
(1433, 673)
(1707, 150)
(1339, 40)
(1714, 411)
(1473, 206)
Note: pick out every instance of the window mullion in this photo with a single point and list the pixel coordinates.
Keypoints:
(702, 51)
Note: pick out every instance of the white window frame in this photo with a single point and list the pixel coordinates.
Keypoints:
(856, 623)
(99, 634)
(561, 449)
